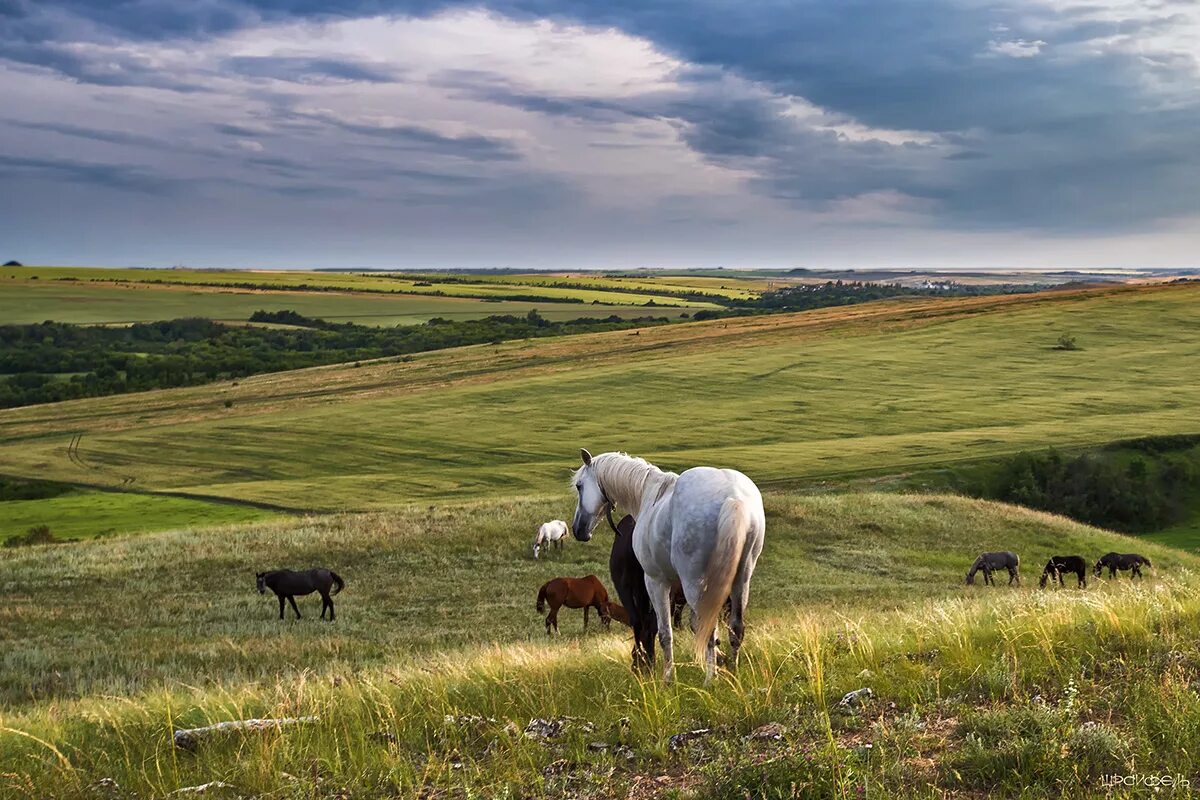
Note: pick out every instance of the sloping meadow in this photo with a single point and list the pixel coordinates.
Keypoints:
(437, 679)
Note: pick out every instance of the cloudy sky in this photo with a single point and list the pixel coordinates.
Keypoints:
(600, 133)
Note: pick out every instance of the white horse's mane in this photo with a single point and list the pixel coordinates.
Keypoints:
(626, 478)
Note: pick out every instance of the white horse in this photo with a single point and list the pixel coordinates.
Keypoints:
(552, 532)
(704, 527)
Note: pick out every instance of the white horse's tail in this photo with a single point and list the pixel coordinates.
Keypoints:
(733, 523)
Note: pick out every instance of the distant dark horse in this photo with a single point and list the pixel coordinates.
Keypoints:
(286, 584)
(629, 580)
(1058, 565)
(990, 562)
(586, 593)
(1122, 561)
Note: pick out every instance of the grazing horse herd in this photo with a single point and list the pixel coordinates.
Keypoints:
(1056, 567)
(690, 539)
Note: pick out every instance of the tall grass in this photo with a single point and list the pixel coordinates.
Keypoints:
(975, 690)
(124, 615)
(1009, 691)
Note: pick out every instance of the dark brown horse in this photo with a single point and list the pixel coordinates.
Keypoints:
(286, 584)
(1057, 565)
(629, 580)
(585, 593)
(617, 612)
(1122, 561)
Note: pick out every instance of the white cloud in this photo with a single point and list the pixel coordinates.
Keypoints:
(1016, 48)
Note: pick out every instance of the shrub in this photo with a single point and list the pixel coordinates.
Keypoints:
(17, 489)
(38, 534)
(1066, 342)
(1097, 749)
(1002, 748)
(812, 773)
(1144, 493)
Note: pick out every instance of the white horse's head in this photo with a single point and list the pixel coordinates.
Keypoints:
(592, 502)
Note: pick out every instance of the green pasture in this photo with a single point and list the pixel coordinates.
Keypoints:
(85, 514)
(109, 645)
(11, 277)
(740, 287)
(116, 304)
(435, 578)
(877, 389)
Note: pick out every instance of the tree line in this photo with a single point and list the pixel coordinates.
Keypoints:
(52, 361)
(1132, 486)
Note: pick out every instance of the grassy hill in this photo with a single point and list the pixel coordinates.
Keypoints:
(109, 645)
(873, 389)
(438, 660)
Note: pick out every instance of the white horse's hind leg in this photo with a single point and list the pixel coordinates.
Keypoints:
(739, 598)
(660, 596)
(710, 658)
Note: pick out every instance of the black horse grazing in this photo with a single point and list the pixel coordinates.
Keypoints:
(1122, 561)
(1058, 565)
(286, 584)
(630, 582)
(990, 562)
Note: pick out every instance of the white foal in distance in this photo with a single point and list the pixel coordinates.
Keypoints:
(552, 532)
(704, 527)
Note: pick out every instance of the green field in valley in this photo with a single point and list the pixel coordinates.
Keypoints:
(84, 514)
